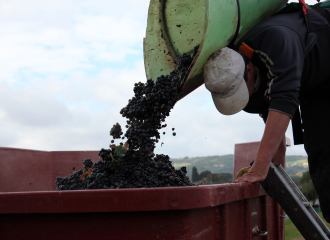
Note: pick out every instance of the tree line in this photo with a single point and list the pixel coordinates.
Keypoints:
(305, 183)
(209, 178)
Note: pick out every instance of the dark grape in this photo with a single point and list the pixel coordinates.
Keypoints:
(138, 167)
(116, 131)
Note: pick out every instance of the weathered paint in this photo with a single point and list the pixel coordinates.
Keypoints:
(182, 31)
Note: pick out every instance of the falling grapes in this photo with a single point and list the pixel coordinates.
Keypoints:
(134, 164)
(116, 131)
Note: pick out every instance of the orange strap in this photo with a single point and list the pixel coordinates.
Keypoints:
(246, 49)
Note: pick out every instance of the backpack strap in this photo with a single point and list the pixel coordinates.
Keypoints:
(246, 49)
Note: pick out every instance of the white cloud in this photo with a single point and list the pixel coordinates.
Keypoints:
(31, 108)
(72, 114)
(62, 36)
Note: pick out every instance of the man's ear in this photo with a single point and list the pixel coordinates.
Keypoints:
(249, 68)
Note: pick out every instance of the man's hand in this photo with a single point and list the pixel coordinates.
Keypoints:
(250, 177)
(278, 159)
(272, 147)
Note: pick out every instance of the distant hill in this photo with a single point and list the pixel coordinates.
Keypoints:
(295, 158)
(295, 165)
(215, 164)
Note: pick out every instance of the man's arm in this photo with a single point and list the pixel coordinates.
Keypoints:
(279, 157)
(271, 147)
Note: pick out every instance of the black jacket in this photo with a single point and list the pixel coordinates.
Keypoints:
(286, 76)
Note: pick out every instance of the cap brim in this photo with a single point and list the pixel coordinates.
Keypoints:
(234, 103)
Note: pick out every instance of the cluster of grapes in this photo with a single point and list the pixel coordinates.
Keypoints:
(135, 165)
(126, 172)
(116, 131)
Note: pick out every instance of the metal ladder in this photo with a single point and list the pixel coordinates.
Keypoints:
(279, 185)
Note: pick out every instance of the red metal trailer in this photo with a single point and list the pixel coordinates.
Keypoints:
(31, 208)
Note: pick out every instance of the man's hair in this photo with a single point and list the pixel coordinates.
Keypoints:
(246, 61)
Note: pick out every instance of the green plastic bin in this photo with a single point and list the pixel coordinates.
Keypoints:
(176, 26)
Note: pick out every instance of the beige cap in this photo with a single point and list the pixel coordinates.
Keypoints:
(224, 78)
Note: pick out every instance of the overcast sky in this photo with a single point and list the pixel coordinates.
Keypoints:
(67, 67)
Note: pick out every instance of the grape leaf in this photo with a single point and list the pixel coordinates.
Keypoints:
(120, 152)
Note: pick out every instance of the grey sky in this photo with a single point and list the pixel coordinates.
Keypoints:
(68, 67)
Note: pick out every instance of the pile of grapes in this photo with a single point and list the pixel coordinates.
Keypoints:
(134, 164)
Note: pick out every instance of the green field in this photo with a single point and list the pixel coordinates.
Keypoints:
(302, 163)
(292, 233)
(295, 165)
